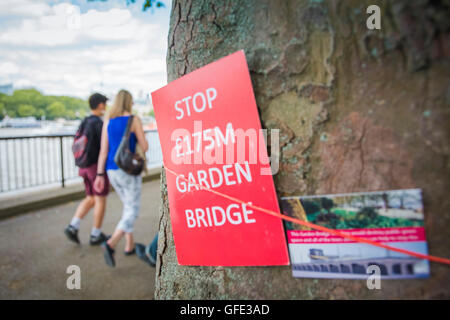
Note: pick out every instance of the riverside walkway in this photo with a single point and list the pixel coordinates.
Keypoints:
(35, 254)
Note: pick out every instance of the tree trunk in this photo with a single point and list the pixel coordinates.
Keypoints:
(358, 110)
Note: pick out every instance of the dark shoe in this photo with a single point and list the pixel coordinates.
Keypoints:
(108, 253)
(95, 241)
(141, 253)
(72, 234)
(130, 253)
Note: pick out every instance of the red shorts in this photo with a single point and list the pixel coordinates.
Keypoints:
(89, 174)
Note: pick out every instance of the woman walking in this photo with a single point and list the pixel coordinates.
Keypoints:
(127, 186)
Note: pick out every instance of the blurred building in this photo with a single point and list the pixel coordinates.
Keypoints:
(143, 106)
(7, 89)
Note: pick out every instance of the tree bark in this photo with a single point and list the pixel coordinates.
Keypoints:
(358, 110)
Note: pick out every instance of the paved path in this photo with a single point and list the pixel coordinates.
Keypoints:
(34, 254)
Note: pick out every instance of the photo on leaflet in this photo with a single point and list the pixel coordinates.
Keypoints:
(395, 218)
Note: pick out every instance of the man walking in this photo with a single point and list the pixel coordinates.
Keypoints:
(86, 148)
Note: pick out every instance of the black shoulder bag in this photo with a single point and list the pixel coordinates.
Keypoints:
(126, 160)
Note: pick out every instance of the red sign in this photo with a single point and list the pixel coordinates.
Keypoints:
(211, 137)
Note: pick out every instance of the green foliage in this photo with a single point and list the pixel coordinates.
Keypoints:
(289, 225)
(26, 110)
(343, 212)
(329, 219)
(310, 207)
(367, 218)
(148, 4)
(30, 102)
(2, 110)
(379, 222)
(367, 213)
(327, 203)
(321, 213)
(56, 110)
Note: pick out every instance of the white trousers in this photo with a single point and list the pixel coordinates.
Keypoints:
(129, 189)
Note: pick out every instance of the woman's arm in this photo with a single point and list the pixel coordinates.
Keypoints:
(138, 130)
(99, 183)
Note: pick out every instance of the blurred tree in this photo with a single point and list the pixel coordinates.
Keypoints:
(40, 114)
(26, 110)
(37, 104)
(56, 110)
(310, 207)
(367, 214)
(327, 204)
(147, 4)
(2, 110)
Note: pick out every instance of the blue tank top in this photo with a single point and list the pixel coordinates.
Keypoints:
(116, 129)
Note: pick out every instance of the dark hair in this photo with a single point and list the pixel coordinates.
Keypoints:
(96, 99)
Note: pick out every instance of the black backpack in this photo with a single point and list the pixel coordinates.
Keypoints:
(82, 145)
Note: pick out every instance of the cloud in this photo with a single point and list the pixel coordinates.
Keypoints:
(23, 8)
(61, 50)
(64, 24)
(8, 68)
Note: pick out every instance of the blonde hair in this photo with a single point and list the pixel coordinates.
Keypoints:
(122, 103)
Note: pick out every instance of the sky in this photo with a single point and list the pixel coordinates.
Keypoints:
(76, 47)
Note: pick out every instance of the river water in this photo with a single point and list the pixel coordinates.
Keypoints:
(36, 158)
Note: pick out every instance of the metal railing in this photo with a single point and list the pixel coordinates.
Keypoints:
(31, 161)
